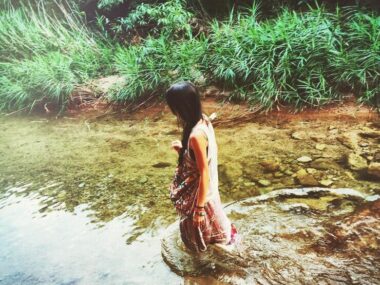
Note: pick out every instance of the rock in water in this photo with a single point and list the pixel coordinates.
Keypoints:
(304, 158)
(270, 165)
(306, 179)
(290, 236)
(356, 162)
(264, 182)
(349, 140)
(374, 169)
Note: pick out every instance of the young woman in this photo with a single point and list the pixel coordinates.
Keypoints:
(194, 189)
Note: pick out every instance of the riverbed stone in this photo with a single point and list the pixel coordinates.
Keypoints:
(304, 158)
(311, 170)
(305, 179)
(326, 182)
(318, 137)
(324, 164)
(264, 182)
(349, 140)
(369, 133)
(320, 146)
(355, 161)
(270, 165)
(299, 135)
(278, 174)
(374, 169)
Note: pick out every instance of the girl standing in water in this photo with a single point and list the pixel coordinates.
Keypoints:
(194, 189)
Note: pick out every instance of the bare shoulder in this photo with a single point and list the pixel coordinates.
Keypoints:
(198, 139)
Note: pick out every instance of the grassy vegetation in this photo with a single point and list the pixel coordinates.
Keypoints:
(303, 59)
(44, 55)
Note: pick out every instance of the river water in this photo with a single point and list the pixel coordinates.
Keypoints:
(85, 201)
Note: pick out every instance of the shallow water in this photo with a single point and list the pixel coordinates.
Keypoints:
(292, 236)
(85, 201)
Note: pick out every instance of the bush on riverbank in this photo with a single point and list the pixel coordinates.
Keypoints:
(44, 56)
(307, 58)
(297, 58)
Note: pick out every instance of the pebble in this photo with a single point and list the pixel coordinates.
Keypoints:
(264, 182)
(304, 159)
(320, 146)
(325, 182)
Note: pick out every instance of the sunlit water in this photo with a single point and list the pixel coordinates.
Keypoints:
(292, 236)
(86, 202)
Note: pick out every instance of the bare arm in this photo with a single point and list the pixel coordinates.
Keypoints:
(199, 144)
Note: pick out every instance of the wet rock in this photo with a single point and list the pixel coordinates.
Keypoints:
(264, 182)
(326, 182)
(299, 135)
(304, 158)
(370, 134)
(249, 183)
(349, 140)
(320, 146)
(305, 178)
(311, 170)
(270, 165)
(324, 164)
(332, 240)
(288, 180)
(318, 137)
(374, 169)
(355, 162)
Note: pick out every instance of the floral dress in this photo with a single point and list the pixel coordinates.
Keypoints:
(184, 189)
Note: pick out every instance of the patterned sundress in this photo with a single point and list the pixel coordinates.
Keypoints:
(184, 189)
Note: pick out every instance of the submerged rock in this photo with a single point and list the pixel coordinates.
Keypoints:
(264, 182)
(356, 162)
(304, 158)
(270, 165)
(374, 169)
(290, 236)
(306, 179)
(349, 140)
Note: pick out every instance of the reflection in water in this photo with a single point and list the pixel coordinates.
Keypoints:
(66, 248)
(292, 236)
(86, 201)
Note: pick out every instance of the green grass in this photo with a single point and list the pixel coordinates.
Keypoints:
(297, 58)
(43, 56)
(301, 59)
(157, 63)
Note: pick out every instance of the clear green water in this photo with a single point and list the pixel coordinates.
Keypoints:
(86, 201)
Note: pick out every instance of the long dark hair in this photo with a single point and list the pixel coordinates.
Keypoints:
(184, 101)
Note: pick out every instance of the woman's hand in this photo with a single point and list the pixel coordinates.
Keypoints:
(177, 145)
(198, 220)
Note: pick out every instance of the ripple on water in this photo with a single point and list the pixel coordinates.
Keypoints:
(291, 236)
